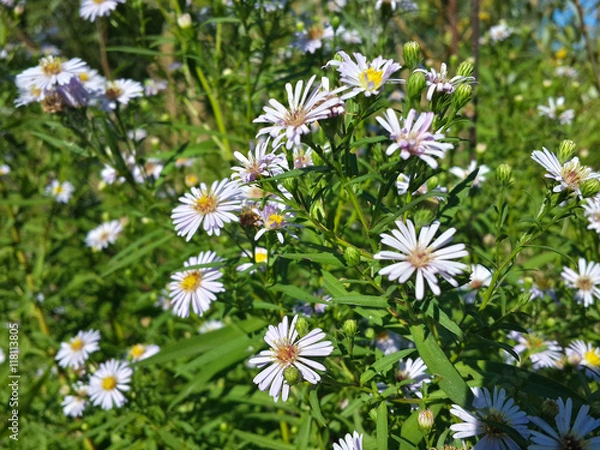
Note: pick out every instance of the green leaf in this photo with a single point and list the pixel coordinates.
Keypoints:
(438, 364)
(169, 439)
(383, 365)
(262, 442)
(382, 426)
(303, 438)
(373, 301)
(296, 293)
(333, 285)
(60, 144)
(136, 51)
(316, 407)
(434, 311)
(320, 258)
(119, 262)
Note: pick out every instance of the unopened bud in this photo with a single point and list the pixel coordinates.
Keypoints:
(425, 420)
(589, 188)
(350, 327)
(566, 150)
(302, 327)
(465, 69)
(503, 174)
(292, 375)
(549, 408)
(64, 389)
(415, 85)
(352, 256)
(373, 414)
(432, 183)
(184, 21)
(335, 22)
(411, 53)
(191, 180)
(462, 96)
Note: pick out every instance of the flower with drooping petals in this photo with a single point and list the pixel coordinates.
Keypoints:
(73, 405)
(592, 212)
(587, 281)
(259, 163)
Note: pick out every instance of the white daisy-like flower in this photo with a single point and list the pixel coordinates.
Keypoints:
(464, 173)
(480, 277)
(566, 435)
(275, 217)
(287, 351)
(108, 383)
(120, 91)
(103, 235)
(260, 257)
(4, 169)
(303, 158)
(422, 256)
(566, 117)
(413, 137)
(141, 351)
(304, 108)
(414, 373)
(91, 9)
(402, 5)
(500, 32)
(494, 408)
(591, 211)
(260, 163)
(61, 192)
(310, 40)
(109, 175)
(49, 73)
(210, 325)
(92, 81)
(196, 286)
(153, 87)
(75, 352)
(556, 110)
(310, 309)
(570, 175)
(363, 76)
(403, 183)
(350, 442)
(586, 356)
(439, 81)
(541, 352)
(73, 405)
(566, 71)
(587, 281)
(389, 342)
(210, 207)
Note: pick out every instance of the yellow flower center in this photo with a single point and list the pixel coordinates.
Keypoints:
(58, 189)
(99, 2)
(371, 78)
(535, 342)
(295, 118)
(573, 173)
(84, 76)
(137, 351)
(206, 204)
(191, 281)
(76, 344)
(104, 236)
(274, 221)
(260, 257)
(109, 383)
(286, 353)
(420, 258)
(592, 358)
(584, 283)
(51, 66)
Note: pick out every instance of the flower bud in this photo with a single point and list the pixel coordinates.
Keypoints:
(432, 183)
(292, 375)
(184, 21)
(411, 54)
(352, 256)
(589, 188)
(350, 328)
(503, 174)
(465, 69)
(191, 180)
(425, 420)
(335, 22)
(302, 327)
(416, 85)
(549, 408)
(566, 150)
(462, 96)
(64, 389)
(373, 415)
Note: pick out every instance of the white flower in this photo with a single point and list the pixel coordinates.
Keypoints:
(261, 257)
(463, 174)
(103, 235)
(4, 169)
(413, 373)
(92, 81)
(500, 32)
(591, 211)
(140, 351)
(91, 9)
(389, 342)
(350, 442)
(210, 325)
(570, 175)
(259, 163)
(413, 138)
(289, 351)
(566, 71)
(73, 405)
(403, 183)
(274, 217)
(480, 277)
(303, 158)
(212, 208)
(426, 258)
(61, 192)
(153, 87)
(556, 110)
(108, 381)
(586, 356)
(49, 73)
(439, 81)
(541, 352)
(120, 91)
(363, 76)
(587, 281)
(75, 352)
(403, 5)
(304, 108)
(494, 408)
(197, 286)
(309, 41)
(568, 436)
